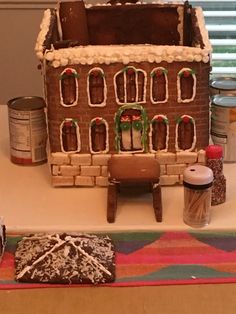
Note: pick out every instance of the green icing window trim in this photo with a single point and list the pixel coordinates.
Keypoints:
(143, 124)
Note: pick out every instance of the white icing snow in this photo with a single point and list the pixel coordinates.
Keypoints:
(102, 54)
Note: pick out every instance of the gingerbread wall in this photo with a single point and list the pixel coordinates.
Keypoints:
(198, 108)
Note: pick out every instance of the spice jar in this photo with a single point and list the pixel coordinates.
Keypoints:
(214, 160)
(197, 181)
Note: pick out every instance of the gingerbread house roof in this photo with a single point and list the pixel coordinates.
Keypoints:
(197, 49)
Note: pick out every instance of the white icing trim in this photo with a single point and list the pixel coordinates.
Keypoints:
(136, 86)
(89, 257)
(176, 2)
(60, 242)
(203, 30)
(132, 151)
(27, 268)
(104, 88)
(44, 28)
(123, 53)
(150, 134)
(151, 85)
(194, 136)
(60, 89)
(107, 139)
(180, 11)
(179, 99)
(77, 134)
(59, 21)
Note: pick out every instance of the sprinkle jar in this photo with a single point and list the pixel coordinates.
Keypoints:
(197, 181)
(214, 160)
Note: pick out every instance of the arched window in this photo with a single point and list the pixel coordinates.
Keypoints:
(130, 85)
(131, 129)
(159, 85)
(98, 135)
(186, 85)
(159, 133)
(70, 136)
(69, 87)
(97, 89)
(185, 133)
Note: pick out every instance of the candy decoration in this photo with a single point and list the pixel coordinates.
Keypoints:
(68, 73)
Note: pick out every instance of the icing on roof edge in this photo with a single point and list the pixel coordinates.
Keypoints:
(102, 54)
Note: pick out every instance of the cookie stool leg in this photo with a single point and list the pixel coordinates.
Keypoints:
(157, 201)
(111, 202)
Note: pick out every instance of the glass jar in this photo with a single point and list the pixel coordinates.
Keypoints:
(214, 160)
(197, 181)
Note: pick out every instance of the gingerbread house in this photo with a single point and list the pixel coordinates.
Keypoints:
(124, 79)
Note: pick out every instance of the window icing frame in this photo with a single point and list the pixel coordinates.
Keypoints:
(90, 136)
(77, 135)
(166, 85)
(124, 71)
(179, 94)
(164, 117)
(103, 104)
(76, 87)
(144, 129)
(177, 148)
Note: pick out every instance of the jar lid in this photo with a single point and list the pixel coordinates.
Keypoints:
(198, 175)
(224, 83)
(214, 152)
(26, 103)
(224, 101)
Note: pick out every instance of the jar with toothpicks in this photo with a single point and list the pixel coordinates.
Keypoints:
(197, 181)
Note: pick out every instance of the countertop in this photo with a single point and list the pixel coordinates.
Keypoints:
(29, 203)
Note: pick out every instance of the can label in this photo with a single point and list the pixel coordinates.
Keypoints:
(223, 130)
(28, 136)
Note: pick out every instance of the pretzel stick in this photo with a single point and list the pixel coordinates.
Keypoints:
(196, 204)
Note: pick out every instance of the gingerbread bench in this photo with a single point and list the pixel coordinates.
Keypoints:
(133, 170)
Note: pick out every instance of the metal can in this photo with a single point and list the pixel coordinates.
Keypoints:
(28, 132)
(223, 125)
(223, 86)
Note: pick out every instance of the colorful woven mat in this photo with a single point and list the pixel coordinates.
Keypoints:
(155, 258)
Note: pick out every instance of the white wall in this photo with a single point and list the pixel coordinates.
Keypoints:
(19, 26)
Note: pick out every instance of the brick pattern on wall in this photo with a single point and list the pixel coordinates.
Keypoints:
(91, 170)
(198, 108)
